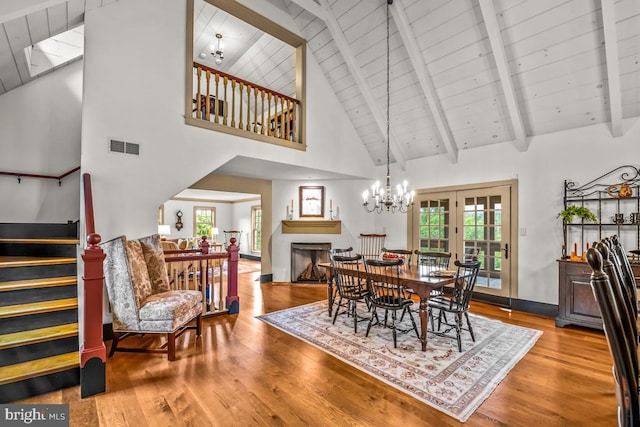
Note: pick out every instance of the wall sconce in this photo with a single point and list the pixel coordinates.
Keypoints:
(179, 223)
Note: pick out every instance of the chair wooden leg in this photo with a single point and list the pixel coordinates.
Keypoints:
(335, 315)
(473, 338)
(459, 331)
(171, 346)
(114, 343)
(199, 325)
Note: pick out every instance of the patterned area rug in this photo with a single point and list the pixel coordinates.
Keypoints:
(452, 382)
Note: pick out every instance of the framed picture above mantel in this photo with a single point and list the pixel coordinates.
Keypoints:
(311, 199)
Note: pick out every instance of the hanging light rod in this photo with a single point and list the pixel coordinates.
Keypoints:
(382, 198)
(217, 50)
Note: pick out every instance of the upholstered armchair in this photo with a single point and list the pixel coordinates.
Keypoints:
(140, 296)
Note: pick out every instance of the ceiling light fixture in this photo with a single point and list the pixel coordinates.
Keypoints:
(217, 50)
(382, 197)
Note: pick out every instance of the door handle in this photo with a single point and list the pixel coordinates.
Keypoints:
(506, 251)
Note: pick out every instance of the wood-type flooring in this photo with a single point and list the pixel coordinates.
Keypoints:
(243, 372)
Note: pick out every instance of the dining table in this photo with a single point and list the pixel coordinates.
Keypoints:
(421, 281)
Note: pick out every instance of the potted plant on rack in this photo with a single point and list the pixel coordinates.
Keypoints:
(579, 211)
(567, 217)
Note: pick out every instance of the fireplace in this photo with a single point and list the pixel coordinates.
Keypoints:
(305, 258)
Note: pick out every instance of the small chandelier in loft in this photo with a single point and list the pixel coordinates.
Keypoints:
(382, 198)
(217, 50)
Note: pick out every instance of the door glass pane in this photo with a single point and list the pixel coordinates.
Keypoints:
(483, 237)
(434, 225)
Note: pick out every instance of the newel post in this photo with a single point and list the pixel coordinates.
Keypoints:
(233, 300)
(93, 354)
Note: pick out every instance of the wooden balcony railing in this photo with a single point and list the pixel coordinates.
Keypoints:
(214, 274)
(243, 105)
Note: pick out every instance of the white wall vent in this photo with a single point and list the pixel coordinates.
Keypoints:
(118, 146)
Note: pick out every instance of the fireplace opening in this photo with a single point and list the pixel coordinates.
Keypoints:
(305, 258)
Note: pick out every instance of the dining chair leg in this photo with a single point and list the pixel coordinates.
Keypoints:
(393, 327)
(473, 338)
(375, 314)
(459, 331)
(413, 322)
(355, 316)
(335, 315)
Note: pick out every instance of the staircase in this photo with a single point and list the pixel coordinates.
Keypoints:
(39, 349)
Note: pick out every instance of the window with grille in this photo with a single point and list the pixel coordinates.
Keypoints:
(256, 228)
(203, 220)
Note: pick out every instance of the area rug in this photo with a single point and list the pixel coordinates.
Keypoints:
(452, 382)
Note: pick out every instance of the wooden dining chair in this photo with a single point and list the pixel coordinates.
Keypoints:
(351, 286)
(623, 347)
(403, 254)
(457, 303)
(387, 293)
(371, 245)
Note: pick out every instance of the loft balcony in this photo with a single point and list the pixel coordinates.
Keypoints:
(230, 104)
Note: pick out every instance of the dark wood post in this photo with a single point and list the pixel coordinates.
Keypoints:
(233, 300)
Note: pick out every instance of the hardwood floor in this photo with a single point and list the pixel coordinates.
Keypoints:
(244, 372)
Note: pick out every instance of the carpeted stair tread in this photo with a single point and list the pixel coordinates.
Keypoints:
(38, 307)
(27, 261)
(38, 283)
(61, 241)
(34, 336)
(37, 368)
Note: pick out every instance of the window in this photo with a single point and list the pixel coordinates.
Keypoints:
(256, 228)
(204, 219)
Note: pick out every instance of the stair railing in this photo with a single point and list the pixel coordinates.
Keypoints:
(93, 354)
(201, 270)
(59, 178)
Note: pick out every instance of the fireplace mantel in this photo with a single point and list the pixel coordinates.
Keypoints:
(311, 226)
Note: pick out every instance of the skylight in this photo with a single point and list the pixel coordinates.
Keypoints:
(56, 51)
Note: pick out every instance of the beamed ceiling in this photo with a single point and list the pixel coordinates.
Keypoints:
(464, 73)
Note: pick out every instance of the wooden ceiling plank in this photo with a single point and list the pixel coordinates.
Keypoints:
(38, 26)
(497, 46)
(311, 6)
(424, 79)
(613, 66)
(356, 74)
(75, 13)
(58, 19)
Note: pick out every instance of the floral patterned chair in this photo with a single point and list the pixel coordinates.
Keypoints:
(140, 296)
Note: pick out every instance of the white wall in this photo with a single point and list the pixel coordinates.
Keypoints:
(580, 155)
(40, 134)
(124, 99)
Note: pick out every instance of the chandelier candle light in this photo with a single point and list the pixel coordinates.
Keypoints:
(382, 197)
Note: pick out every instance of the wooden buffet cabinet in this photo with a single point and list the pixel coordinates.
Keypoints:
(576, 303)
(616, 214)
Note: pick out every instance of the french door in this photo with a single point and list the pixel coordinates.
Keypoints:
(471, 224)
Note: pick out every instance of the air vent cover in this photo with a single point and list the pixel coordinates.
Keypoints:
(118, 146)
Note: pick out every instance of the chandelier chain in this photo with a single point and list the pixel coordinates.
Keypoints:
(381, 197)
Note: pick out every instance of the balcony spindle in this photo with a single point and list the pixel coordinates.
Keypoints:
(207, 106)
(241, 126)
(216, 101)
(248, 107)
(225, 80)
(282, 119)
(233, 103)
(269, 128)
(198, 97)
(255, 110)
(264, 123)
